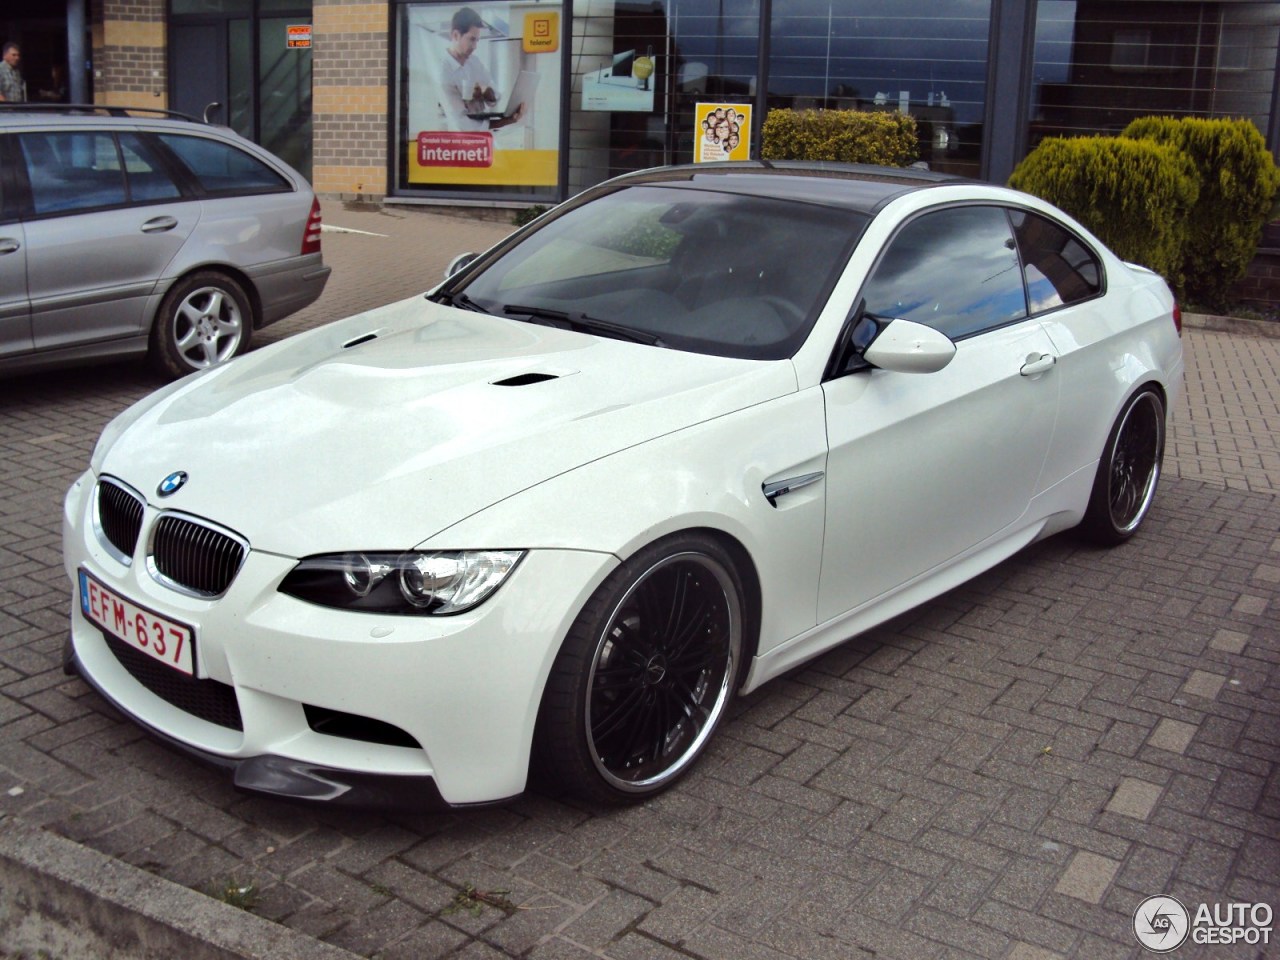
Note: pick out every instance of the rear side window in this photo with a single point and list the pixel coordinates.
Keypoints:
(222, 169)
(148, 180)
(72, 171)
(1060, 269)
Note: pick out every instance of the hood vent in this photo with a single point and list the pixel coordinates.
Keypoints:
(359, 340)
(524, 379)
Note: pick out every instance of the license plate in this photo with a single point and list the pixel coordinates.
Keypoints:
(172, 643)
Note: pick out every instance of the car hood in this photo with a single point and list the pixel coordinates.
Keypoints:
(377, 432)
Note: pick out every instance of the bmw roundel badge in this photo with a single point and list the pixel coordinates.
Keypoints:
(172, 483)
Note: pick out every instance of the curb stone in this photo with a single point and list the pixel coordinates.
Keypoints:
(61, 900)
(1251, 328)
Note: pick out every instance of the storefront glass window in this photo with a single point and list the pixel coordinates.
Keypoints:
(639, 70)
(222, 7)
(1099, 65)
(923, 57)
(478, 98)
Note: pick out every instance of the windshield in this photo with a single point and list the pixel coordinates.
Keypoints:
(692, 269)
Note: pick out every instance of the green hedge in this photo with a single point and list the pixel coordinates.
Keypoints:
(1238, 186)
(1135, 195)
(851, 136)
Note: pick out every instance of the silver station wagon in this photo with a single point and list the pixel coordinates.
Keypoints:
(130, 232)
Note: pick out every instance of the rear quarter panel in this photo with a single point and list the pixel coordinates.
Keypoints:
(246, 231)
(1107, 349)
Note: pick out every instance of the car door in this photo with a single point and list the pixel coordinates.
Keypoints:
(96, 242)
(15, 313)
(924, 467)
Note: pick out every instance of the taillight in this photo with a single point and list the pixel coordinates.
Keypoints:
(311, 235)
(1177, 318)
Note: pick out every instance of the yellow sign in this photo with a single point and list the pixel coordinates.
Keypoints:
(298, 36)
(541, 32)
(723, 132)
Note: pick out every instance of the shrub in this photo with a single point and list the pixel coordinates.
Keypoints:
(1135, 195)
(528, 214)
(1238, 185)
(850, 136)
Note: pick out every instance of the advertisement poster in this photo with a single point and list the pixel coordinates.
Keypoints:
(724, 132)
(483, 94)
(623, 85)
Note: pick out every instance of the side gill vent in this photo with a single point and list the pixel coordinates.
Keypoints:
(524, 379)
(359, 340)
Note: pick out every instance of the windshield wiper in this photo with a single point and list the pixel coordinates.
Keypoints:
(586, 324)
(460, 300)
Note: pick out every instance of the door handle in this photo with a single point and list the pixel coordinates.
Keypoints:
(159, 224)
(8, 245)
(1038, 364)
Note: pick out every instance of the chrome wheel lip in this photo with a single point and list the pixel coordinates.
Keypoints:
(718, 699)
(214, 327)
(1122, 472)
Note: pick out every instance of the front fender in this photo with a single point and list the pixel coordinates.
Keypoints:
(706, 476)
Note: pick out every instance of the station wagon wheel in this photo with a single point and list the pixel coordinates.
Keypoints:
(645, 674)
(204, 320)
(1128, 472)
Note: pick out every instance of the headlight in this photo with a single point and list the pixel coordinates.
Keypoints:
(436, 583)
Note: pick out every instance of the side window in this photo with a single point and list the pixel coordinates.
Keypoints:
(72, 171)
(1060, 269)
(223, 169)
(147, 178)
(955, 270)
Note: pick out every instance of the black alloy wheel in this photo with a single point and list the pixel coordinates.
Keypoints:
(1129, 471)
(646, 673)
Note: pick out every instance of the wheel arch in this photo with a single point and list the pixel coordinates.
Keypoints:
(554, 701)
(753, 597)
(228, 270)
(1151, 381)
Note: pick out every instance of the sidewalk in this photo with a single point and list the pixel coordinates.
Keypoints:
(1005, 772)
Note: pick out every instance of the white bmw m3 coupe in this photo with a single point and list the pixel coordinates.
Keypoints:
(673, 438)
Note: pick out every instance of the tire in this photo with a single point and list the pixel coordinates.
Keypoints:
(1128, 472)
(205, 319)
(645, 675)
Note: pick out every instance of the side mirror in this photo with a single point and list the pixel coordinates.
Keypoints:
(908, 347)
(457, 263)
(903, 346)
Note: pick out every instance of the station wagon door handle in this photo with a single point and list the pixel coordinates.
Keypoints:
(1040, 364)
(8, 245)
(159, 224)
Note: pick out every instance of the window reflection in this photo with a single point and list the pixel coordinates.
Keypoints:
(702, 51)
(955, 271)
(923, 57)
(1099, 65)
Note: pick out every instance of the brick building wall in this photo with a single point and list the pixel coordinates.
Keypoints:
(129, 57)
(1260, 286)
(349, 98)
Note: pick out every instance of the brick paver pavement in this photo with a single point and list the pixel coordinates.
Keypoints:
(1005, 772)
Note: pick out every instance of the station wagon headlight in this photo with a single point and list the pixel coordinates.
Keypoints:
(436, 583)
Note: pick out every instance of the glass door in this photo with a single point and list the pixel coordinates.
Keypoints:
(284, 93)
(257, 67)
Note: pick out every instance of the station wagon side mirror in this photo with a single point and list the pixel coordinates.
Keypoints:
(457, 263)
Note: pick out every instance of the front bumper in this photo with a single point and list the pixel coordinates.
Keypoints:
(293, 779)
(460, 693)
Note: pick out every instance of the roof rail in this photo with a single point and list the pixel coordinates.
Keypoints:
(95, 108)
